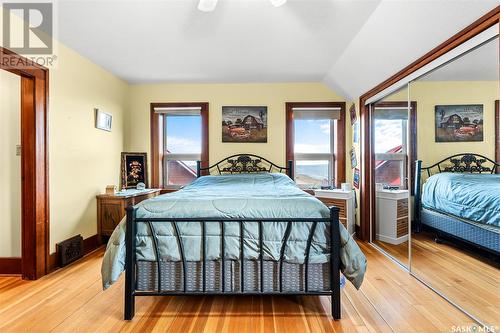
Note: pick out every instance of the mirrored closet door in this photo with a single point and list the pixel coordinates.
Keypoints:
(392, 119)
(456, 230)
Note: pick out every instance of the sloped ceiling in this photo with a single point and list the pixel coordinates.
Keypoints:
(349, 45)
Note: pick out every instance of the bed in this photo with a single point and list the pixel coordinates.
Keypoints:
(246, 230)
(460, 200)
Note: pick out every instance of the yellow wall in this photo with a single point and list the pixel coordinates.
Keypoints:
(83, 159)
(10, 171)
(429, 94)
(273, 96)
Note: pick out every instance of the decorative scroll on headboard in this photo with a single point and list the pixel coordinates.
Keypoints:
(244, 163)
(463, 163)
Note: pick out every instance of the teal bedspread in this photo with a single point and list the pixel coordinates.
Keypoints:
(234, 196)
(474, 197)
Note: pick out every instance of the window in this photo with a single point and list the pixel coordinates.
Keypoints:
(181, 142)
(390, 143)
(314, 142)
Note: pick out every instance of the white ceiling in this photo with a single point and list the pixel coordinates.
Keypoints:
(351, 45)
(480, 64)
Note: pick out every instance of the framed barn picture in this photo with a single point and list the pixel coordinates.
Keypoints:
(244, 124)
(134, 169)
(459, 123)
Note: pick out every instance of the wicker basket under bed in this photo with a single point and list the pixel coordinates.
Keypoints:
(172, 276)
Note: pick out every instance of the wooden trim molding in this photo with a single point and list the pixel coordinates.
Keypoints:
(340, 161)
(10, 266)
(497, 133)
(34, 161)
(366, 186)
(156, 122)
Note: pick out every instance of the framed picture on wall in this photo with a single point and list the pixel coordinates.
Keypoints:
(103, 120)
(459, 123)
(244, 124)
(352, 114)
(134, 169)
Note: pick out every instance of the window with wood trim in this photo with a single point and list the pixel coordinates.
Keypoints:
(390, 142)
(179, 139)
(316, 143)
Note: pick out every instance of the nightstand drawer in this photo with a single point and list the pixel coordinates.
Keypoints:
(345, 201)
(340, 203)
(111, 209)
(112, 214)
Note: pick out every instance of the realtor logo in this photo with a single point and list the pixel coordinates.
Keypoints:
(35, 35)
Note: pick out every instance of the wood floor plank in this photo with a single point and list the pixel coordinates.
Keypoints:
(468, 279)
(71, 300)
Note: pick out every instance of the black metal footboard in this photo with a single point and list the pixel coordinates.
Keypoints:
(130, 264)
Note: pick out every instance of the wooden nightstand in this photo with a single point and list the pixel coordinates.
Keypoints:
(111, 208)
(344, 200)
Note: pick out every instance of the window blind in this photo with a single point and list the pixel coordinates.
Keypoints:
(391, 113)
(316, 113)
(179, 111)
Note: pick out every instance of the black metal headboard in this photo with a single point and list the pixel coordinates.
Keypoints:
(459, 163)
(244, 163)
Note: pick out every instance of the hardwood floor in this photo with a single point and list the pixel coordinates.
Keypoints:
(399, 252)
(469, 280)
(71, 300)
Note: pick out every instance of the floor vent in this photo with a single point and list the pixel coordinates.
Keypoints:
(70, 250)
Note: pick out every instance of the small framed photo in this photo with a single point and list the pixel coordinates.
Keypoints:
(103, 120)
(134, 169)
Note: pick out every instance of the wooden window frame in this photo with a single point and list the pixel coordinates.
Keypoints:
(34, 163)
(412, 127)
(367, 188)
(339, 159)
(156, 123)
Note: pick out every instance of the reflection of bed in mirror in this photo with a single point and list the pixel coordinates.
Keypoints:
(460, 200)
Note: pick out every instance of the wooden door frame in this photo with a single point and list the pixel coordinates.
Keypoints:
(340, 159)
(34, 162)
(156, 130)
(366, 187)
(497, 134)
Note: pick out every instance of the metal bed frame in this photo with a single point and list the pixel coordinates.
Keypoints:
(446, 225)
(243, 163)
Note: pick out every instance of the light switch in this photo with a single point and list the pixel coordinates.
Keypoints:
(18, 150)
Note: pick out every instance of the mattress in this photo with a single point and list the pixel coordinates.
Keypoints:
(233, 197)
(474, 197)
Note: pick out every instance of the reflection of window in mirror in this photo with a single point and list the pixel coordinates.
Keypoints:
(457, 210)
(390, 150)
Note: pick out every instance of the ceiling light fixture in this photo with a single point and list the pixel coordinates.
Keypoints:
(207, 5)
(277, 3)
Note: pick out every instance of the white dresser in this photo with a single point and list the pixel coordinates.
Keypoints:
(344, 200)
(392, 216)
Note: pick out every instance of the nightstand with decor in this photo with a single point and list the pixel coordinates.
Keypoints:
(344, 200)
(111, 208)
(392, 216)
